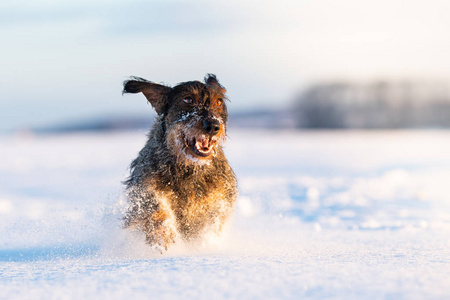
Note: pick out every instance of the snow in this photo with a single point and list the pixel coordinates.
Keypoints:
(342, 215)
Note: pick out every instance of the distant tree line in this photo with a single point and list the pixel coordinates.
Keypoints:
(380, 104)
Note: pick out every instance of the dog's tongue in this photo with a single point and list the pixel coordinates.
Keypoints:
(202, 144)
(205, 142)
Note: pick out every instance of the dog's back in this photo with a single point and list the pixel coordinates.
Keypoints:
(181, 183)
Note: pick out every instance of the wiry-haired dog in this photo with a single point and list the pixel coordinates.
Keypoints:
(181, 184)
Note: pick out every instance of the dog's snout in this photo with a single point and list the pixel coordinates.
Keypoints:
(211, 126)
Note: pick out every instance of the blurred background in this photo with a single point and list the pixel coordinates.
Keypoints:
(288, 64)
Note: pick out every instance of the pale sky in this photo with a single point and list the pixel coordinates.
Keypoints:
(66, 60)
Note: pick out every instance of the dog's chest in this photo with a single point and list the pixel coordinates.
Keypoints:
(196, 209)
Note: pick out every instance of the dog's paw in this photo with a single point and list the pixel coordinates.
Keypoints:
(161, 238)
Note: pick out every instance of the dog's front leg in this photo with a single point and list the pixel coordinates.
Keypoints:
(159, 229)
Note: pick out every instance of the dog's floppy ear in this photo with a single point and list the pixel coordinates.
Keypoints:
(155, 93)
(211, 80)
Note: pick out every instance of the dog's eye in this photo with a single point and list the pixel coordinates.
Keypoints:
(219, 102)
(188, 100)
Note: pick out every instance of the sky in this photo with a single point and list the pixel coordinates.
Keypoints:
(64, 61)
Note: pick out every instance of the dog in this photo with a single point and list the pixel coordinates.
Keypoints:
(181, 184)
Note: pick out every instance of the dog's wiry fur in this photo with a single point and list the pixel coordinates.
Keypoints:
(181, 184)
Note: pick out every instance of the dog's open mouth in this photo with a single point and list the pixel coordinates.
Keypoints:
(202, 145)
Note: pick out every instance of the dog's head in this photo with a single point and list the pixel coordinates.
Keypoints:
(194, 115)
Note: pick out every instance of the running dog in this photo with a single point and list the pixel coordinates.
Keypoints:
(181, 185)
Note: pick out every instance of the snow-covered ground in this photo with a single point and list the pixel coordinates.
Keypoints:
(323, 215)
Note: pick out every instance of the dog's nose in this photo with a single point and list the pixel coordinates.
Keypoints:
(211, 127)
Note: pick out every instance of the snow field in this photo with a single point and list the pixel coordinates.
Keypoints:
(342, 215)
